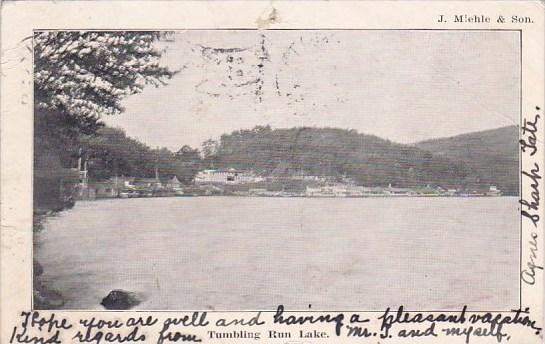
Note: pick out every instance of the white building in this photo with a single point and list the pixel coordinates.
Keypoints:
(227, 176)
(494, 191)
(337, 190)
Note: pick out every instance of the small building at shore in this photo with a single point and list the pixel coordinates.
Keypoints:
(174, 184)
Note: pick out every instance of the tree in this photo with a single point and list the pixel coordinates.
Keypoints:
(188, 162)
(111, 153)
(80, 76)
(209, 148)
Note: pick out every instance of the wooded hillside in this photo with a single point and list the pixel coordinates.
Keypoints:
(475, 160)
(493, 155)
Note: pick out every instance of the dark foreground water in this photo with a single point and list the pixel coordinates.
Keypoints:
(242, 253)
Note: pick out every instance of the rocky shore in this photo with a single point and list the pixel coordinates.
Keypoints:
(44, 296)
(47, 298)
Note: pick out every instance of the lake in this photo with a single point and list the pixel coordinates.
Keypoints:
(246, 253)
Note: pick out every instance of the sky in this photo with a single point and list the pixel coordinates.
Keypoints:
(405, 86)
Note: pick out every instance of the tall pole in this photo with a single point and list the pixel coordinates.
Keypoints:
(79, 160)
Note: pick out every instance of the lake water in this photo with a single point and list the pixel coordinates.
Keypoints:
(243, 253)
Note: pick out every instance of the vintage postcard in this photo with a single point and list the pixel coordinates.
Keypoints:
(272, 172)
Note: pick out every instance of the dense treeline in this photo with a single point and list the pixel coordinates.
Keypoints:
(471, 161)
(492, 155)
(110, 152)
(367, 159)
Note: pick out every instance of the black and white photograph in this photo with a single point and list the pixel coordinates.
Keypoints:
(241, 169)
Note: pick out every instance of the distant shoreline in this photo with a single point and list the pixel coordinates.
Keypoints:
(309, 197)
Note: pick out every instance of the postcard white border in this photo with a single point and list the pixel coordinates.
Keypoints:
(20, 19)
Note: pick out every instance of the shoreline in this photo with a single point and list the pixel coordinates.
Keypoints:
(43, 296)
(297, 196)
